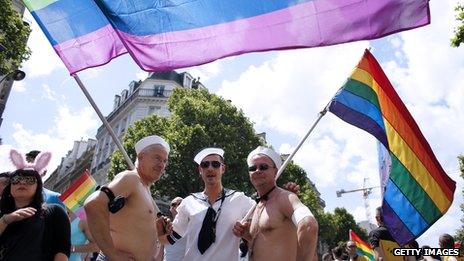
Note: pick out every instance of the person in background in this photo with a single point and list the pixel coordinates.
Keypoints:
(4, 181)
(352, 254)
(82, 244)
(327, 257)
(50, 197)
(337, 253)
(175, 252)
(447, 241)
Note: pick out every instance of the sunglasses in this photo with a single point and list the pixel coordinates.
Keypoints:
(260, 167)
(28, 180)
(215, 164)
(351, 246)
(175, 204)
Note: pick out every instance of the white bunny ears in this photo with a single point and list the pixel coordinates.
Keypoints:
(41, 161)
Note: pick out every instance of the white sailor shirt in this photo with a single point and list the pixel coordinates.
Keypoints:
(189, 220)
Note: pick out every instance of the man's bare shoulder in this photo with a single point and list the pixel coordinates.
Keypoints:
(287, 201)
(126, 176)
(286, 197)
(124, 183)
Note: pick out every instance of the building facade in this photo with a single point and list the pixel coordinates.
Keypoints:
(76, 161)
(143, 98)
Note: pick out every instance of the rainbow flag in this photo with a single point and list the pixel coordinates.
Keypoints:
(75, 196)
(362, 248)
(417, 191)
(165, 35)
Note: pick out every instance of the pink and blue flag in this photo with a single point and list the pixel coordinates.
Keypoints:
(165, 35)
(78, 31)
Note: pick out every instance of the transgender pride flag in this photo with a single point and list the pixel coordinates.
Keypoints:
(165, 35)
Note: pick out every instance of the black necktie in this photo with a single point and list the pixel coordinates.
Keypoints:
(207, 234)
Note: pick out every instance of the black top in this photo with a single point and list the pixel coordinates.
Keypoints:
(380, 233)
(39, 237)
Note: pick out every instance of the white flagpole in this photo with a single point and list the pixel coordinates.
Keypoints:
(282, 168)
(105, 122)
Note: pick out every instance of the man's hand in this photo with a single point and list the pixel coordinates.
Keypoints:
(163, 226)
(292, 187)
(19, 214)
(242, 230)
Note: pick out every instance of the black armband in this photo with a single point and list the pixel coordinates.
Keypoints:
(116, 203)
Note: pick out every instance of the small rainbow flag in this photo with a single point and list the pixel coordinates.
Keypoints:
(417, 191)
(362, 248)
(78, 192)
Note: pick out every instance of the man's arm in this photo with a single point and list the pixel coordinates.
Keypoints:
(306, 225)
(374, 241)
(89, 247)
(98, 215)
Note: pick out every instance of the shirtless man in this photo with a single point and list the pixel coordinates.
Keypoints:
(282, 228)
(130, 233)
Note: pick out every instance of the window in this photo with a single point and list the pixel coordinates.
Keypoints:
(158, 91)
(153, 109)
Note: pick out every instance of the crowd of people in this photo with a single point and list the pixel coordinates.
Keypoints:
(123, 221)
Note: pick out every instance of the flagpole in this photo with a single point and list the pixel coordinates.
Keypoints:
(105, 122)
(282, 168)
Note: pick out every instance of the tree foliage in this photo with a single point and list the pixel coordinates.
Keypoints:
(458, 37)
(13, 37)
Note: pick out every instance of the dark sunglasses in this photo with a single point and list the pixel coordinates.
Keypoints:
(205, 164)
(28, 180)
(175, 204)
(260, 167)
(352, 246)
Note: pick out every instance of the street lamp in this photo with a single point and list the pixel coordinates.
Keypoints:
(16, 75)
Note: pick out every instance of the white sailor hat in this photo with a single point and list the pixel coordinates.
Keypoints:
(151, 140)
(275, 157)
(208, 151)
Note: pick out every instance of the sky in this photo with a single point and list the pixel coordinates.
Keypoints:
(281, 92)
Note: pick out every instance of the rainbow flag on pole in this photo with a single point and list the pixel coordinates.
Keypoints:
(362, 248)
(75, 196)
(417, 191)
(166, 35)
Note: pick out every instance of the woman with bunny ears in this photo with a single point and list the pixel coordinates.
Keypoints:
(29, 229)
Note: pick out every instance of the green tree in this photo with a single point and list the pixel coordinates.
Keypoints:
(334, 227)
(459, 30)
(13, 38)
(198, 119)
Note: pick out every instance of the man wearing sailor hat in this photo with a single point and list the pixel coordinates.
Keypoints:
(122, 215)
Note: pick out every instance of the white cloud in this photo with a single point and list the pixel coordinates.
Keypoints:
(68, 127)
(19, 86)
(48, 93)
(207, 71)
(141, 75)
